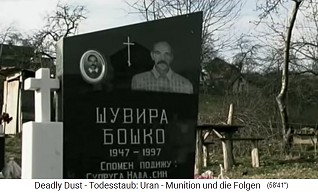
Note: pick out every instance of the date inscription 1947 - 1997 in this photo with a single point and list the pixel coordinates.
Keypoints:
(145, 152)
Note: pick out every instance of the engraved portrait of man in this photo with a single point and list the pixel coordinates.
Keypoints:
(162, 78)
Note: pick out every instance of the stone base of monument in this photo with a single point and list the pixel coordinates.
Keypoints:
(42, 150)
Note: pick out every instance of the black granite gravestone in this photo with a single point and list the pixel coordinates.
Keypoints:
(118, 128)
(2, 150)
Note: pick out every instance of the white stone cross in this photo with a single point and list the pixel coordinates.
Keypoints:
(42, 84)
(128, 43)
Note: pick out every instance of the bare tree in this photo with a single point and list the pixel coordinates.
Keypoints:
(305, 47)
(304, 43)
(218, 16)
(268, 8)
(4, 36)
(63, 22)
(246, 60)
(281, 98)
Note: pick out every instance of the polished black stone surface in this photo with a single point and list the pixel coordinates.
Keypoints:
(111, 131)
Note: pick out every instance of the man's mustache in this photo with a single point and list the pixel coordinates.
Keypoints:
(162, 62)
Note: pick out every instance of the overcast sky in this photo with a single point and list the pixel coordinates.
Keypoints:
(27, 15)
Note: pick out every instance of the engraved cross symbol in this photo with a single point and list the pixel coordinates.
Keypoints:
(42, 84)
(128, 43)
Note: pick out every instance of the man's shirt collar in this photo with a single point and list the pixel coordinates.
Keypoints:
(157, 74)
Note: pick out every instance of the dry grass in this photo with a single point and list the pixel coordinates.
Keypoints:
(271, 167)
(255, 114)
(13, 148)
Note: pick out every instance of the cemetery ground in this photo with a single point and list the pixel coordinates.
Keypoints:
(273, 165)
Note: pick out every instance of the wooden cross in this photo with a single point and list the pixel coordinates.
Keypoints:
(42, 84)
(128, 43)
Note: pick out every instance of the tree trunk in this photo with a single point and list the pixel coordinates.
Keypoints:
(281, 98)
(198, 154)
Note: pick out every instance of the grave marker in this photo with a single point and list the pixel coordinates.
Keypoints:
(42, 84)
(114, 131)
(42, 140)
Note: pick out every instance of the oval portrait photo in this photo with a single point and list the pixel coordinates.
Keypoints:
(93, 67)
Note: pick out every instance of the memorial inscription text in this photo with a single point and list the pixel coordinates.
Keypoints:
(146, 139)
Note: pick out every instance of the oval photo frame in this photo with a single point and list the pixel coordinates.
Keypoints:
(93, 67)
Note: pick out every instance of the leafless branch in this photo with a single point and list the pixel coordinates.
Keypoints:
(63, 22)
(218, 16)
